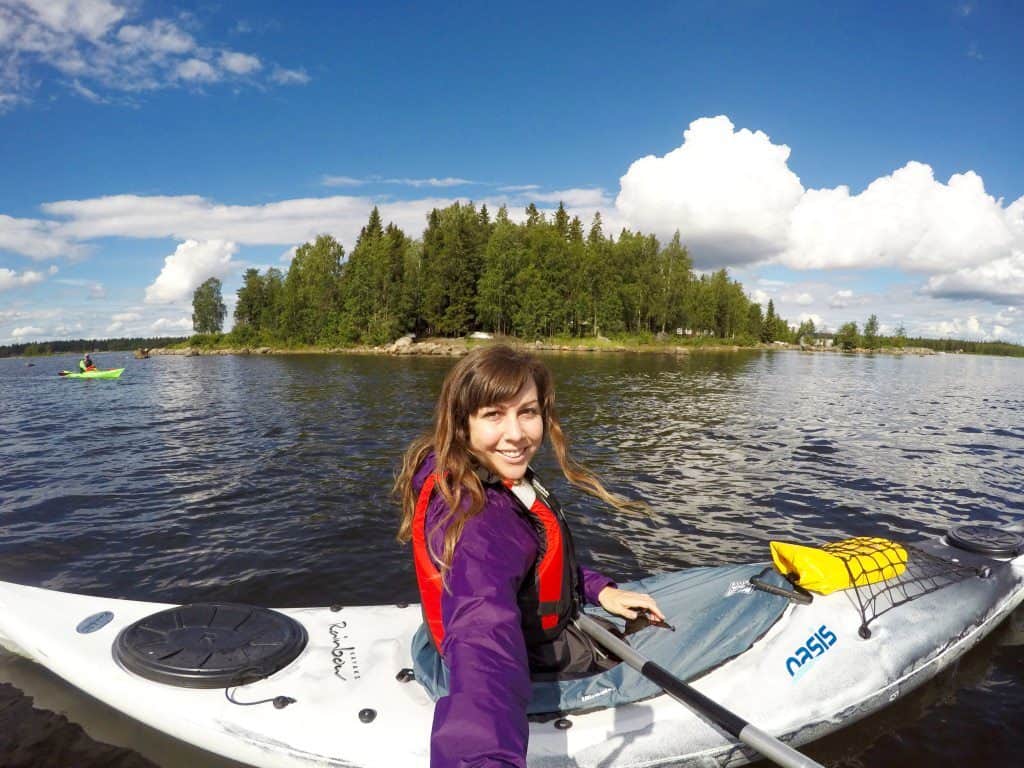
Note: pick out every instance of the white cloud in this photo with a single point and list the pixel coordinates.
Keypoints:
(801, 299)
(760, 297)
(998, 281)
(190, 265)
(283, 76)
(448, 181)
(26, 331)
(735, 201)
(9, 279)
(907, 220)
(36, 239)
(240, 63)
(190, 217)
(803, 317)
(842, 299)
(350, 181)
(596, 197)
(90, 19)
(122, 319)
(196, 70)
(519, 188)
(100, 50)
(160, 36)
(343, 181)
(288, 255)
(175, 326)
(969, 328)
(729, 193)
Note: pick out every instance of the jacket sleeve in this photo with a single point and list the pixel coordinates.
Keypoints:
(593, 582)
(482, 722)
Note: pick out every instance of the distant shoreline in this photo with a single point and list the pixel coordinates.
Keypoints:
(456, 347)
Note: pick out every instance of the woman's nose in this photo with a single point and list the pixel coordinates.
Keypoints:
(513, 430)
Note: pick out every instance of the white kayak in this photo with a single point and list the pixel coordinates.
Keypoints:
(819, 667)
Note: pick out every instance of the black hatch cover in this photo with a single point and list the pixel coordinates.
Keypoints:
(210, 645)
(986, 540)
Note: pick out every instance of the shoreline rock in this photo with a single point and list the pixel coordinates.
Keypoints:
(456, 347)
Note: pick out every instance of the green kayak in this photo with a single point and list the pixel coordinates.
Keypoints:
(110, 373)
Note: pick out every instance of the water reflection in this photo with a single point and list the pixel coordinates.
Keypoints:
(266, 479)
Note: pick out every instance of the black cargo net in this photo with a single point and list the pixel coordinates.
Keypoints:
(886, 575)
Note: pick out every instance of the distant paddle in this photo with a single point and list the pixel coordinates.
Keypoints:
(764, 743)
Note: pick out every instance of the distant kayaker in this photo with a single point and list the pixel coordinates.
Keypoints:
(494, 558)
(86, 364)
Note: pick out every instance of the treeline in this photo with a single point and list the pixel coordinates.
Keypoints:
(78, 346)
(468, 272)
(850, 336)
(970, 347)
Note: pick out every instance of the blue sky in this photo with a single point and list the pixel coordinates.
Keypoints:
(842, 159)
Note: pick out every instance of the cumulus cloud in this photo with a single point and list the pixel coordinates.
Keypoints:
(735, 201)
(174, 326)
(27, 331)
(120, 320)
(9, 279)
(803, 317)
(36, 239)
(160, 36)
(190, 265)
(907, 220)
(100, 47)
(728, 192)
(999, 281)
(239, 63)
(842, 299)
(196, 70)
(802, 298)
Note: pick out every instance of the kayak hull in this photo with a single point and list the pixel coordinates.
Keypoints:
(110, 373)
(351, 710)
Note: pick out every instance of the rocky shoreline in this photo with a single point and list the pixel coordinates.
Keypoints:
(441, 347)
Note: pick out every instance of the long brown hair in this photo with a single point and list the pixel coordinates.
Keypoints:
(486, 376)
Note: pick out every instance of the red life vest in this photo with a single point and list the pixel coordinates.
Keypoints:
(548, 598)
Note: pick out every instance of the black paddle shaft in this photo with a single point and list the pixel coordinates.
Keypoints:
(767, 745)
(677, 689)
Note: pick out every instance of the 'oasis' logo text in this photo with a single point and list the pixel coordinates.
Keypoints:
(814, 647)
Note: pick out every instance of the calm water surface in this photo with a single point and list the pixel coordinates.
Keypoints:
(265, 480)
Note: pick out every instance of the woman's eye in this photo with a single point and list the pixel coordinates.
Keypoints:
(530, 412)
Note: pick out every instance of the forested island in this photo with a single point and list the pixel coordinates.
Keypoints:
(546, 278)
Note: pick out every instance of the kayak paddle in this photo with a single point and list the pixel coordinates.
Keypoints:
(764, 743)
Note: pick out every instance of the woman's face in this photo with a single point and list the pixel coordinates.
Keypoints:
(506, 435)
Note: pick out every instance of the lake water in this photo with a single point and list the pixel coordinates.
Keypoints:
(265, 480)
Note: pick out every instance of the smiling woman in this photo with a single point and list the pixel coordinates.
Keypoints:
(495, 563)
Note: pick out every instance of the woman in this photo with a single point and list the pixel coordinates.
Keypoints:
(495, 565)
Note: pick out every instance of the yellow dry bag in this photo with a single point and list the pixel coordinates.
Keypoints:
(840, 565)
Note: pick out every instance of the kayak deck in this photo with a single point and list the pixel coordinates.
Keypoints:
(810, 674)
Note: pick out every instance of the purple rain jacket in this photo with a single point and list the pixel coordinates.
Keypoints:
(482, 723)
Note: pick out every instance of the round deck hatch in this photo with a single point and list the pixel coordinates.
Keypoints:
(210, 645)
(986, 540)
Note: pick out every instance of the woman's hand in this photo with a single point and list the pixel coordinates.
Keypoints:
(628, 604)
